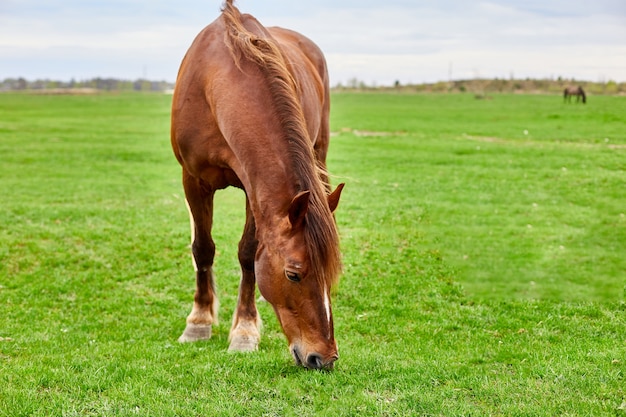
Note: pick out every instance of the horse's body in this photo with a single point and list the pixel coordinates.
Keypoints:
(574, 91)
(250, 110)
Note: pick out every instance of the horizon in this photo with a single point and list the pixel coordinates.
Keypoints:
(347, 84)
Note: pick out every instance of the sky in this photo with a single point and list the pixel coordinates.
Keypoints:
(376, 42)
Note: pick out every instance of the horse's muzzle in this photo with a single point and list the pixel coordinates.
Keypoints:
(313, 360)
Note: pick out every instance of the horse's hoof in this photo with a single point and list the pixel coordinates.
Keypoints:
(244, 343)
(194, 332)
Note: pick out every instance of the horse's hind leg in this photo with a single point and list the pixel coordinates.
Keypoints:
(204, 313)
(245, 333)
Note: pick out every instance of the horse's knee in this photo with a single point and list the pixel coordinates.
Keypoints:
(203, 252)
(246, 260)
(247, 253)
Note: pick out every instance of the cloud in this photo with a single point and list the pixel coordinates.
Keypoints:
(487, 39)
(370, 40)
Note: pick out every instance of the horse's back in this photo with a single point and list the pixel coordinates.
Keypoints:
(294, 42)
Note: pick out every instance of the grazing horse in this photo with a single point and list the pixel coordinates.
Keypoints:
(574, 91)
(251, 110)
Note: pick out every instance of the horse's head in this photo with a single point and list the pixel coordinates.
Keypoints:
(297, 283)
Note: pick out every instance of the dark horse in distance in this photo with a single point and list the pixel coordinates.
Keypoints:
(251, 110)
(574, 91)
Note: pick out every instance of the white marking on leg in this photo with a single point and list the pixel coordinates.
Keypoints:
(193, 234)
(216, 301)
(202, 315)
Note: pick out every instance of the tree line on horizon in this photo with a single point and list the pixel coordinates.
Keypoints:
(101, 84)
(482, 86)
(477, 86)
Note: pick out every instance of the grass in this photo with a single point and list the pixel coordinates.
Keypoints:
(524, 195)
(483, 266)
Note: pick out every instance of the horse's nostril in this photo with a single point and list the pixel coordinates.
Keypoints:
(314, 361)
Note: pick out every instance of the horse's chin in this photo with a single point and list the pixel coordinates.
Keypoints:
(296, 356)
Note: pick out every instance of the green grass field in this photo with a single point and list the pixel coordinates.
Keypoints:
(525, 196)
(483, 245)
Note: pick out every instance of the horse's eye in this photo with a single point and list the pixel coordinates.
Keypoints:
(292, 276)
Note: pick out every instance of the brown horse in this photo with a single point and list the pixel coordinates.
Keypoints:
(574, 91)
(250, 110)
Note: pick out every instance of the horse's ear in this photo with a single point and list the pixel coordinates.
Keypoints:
(333, 198)
(298, 208)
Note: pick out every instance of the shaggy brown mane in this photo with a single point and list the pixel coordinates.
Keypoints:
(321, 236)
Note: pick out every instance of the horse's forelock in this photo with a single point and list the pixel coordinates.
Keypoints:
(322, 240)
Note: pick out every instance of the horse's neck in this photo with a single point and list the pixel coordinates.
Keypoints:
(269, 181)
(258, 138)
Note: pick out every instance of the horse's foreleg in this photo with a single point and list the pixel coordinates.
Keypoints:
(205, 306)
(245, 333)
